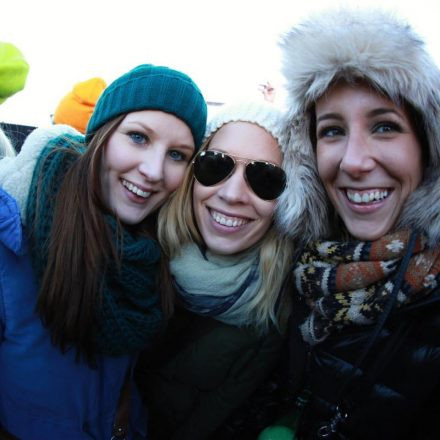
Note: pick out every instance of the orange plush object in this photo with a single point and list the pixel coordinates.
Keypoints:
(77, 106)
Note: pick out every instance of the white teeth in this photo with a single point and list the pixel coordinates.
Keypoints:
(135, 190)
(227, 221)
(366, 197)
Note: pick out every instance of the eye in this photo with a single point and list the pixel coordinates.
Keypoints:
(178, 156)
(138, 138)
(387, 127)
(329, 132)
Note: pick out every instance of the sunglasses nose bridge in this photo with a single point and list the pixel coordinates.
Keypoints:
(234, 188)
(245, 162)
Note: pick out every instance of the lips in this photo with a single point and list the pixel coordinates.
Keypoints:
(229, 221)
(135, 189)
(367, 196)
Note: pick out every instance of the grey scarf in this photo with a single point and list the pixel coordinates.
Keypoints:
(219, 286)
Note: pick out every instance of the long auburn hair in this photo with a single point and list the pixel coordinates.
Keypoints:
(177, 226)
(79, 248)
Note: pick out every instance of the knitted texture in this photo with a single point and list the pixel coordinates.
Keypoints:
(218, 286)
(149, 87)
(348, 283)
(13, 70)
(129, 315)
(77, 106)
(265, 115)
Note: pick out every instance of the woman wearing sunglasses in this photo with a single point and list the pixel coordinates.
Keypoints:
(80, 302)
(228, 265)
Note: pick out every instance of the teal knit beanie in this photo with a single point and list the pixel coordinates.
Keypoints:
(149, 87)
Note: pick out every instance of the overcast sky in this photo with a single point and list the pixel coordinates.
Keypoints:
(227, 46)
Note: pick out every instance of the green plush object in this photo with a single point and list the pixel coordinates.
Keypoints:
(13, 70)
(286, 426)
(277, 432)
(283, 429)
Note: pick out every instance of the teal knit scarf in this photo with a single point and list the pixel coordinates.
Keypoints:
(130, 315)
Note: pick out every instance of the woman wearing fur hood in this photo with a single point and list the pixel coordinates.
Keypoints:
(364, 101)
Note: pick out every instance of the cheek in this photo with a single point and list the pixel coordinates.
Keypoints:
(320, 161)
(200, 193)
(265, 209)
(173, 176)
(327, 164)
(113, 152)
(415, 161)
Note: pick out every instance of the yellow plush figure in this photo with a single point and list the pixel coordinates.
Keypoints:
(13, 70)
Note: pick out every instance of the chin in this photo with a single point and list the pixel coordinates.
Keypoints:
(367, 234)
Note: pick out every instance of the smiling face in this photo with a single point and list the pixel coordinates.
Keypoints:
(143, 162)
(369, 158)
(230, 216)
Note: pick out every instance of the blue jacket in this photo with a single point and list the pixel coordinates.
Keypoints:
(45, 394)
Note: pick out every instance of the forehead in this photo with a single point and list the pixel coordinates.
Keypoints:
(154, 117)
(247, 140)
(346, 96)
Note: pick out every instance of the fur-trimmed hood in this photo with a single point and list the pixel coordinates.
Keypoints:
(375, 46)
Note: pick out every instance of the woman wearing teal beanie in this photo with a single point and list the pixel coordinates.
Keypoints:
(80, 300)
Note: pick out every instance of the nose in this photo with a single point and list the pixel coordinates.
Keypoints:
(151, 165)
(235, 188)
(357, 158)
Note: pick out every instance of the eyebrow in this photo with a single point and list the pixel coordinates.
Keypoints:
(383, 110)
(150, 131)
(375, 112)
(186, 147)
(326, 116)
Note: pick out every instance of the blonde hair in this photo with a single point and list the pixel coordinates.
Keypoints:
(177, 226)
(6, 148)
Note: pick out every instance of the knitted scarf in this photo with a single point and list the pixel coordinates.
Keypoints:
(219, 286)
(130, 314)
(348, 283)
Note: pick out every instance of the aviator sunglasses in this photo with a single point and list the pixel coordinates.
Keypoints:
(266, 179)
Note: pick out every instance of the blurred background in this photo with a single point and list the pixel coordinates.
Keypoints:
(229, 47)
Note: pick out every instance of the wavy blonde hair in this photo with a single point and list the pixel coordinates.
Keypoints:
(177, 226)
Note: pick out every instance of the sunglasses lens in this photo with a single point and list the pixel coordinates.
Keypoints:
(266, 180)
(211, 167)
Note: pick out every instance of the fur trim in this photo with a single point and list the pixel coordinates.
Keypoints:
(372, 45)
(422, 209)
(301, 209)
(16, 172)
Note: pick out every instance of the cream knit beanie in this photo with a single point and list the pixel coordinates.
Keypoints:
(263, 114)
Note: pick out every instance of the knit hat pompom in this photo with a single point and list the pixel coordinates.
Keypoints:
(149, 87)
(76, 108)
(13, 70)
(265, 115)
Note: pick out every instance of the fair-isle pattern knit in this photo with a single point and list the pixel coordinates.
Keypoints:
(348, 283)
(130, 315)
